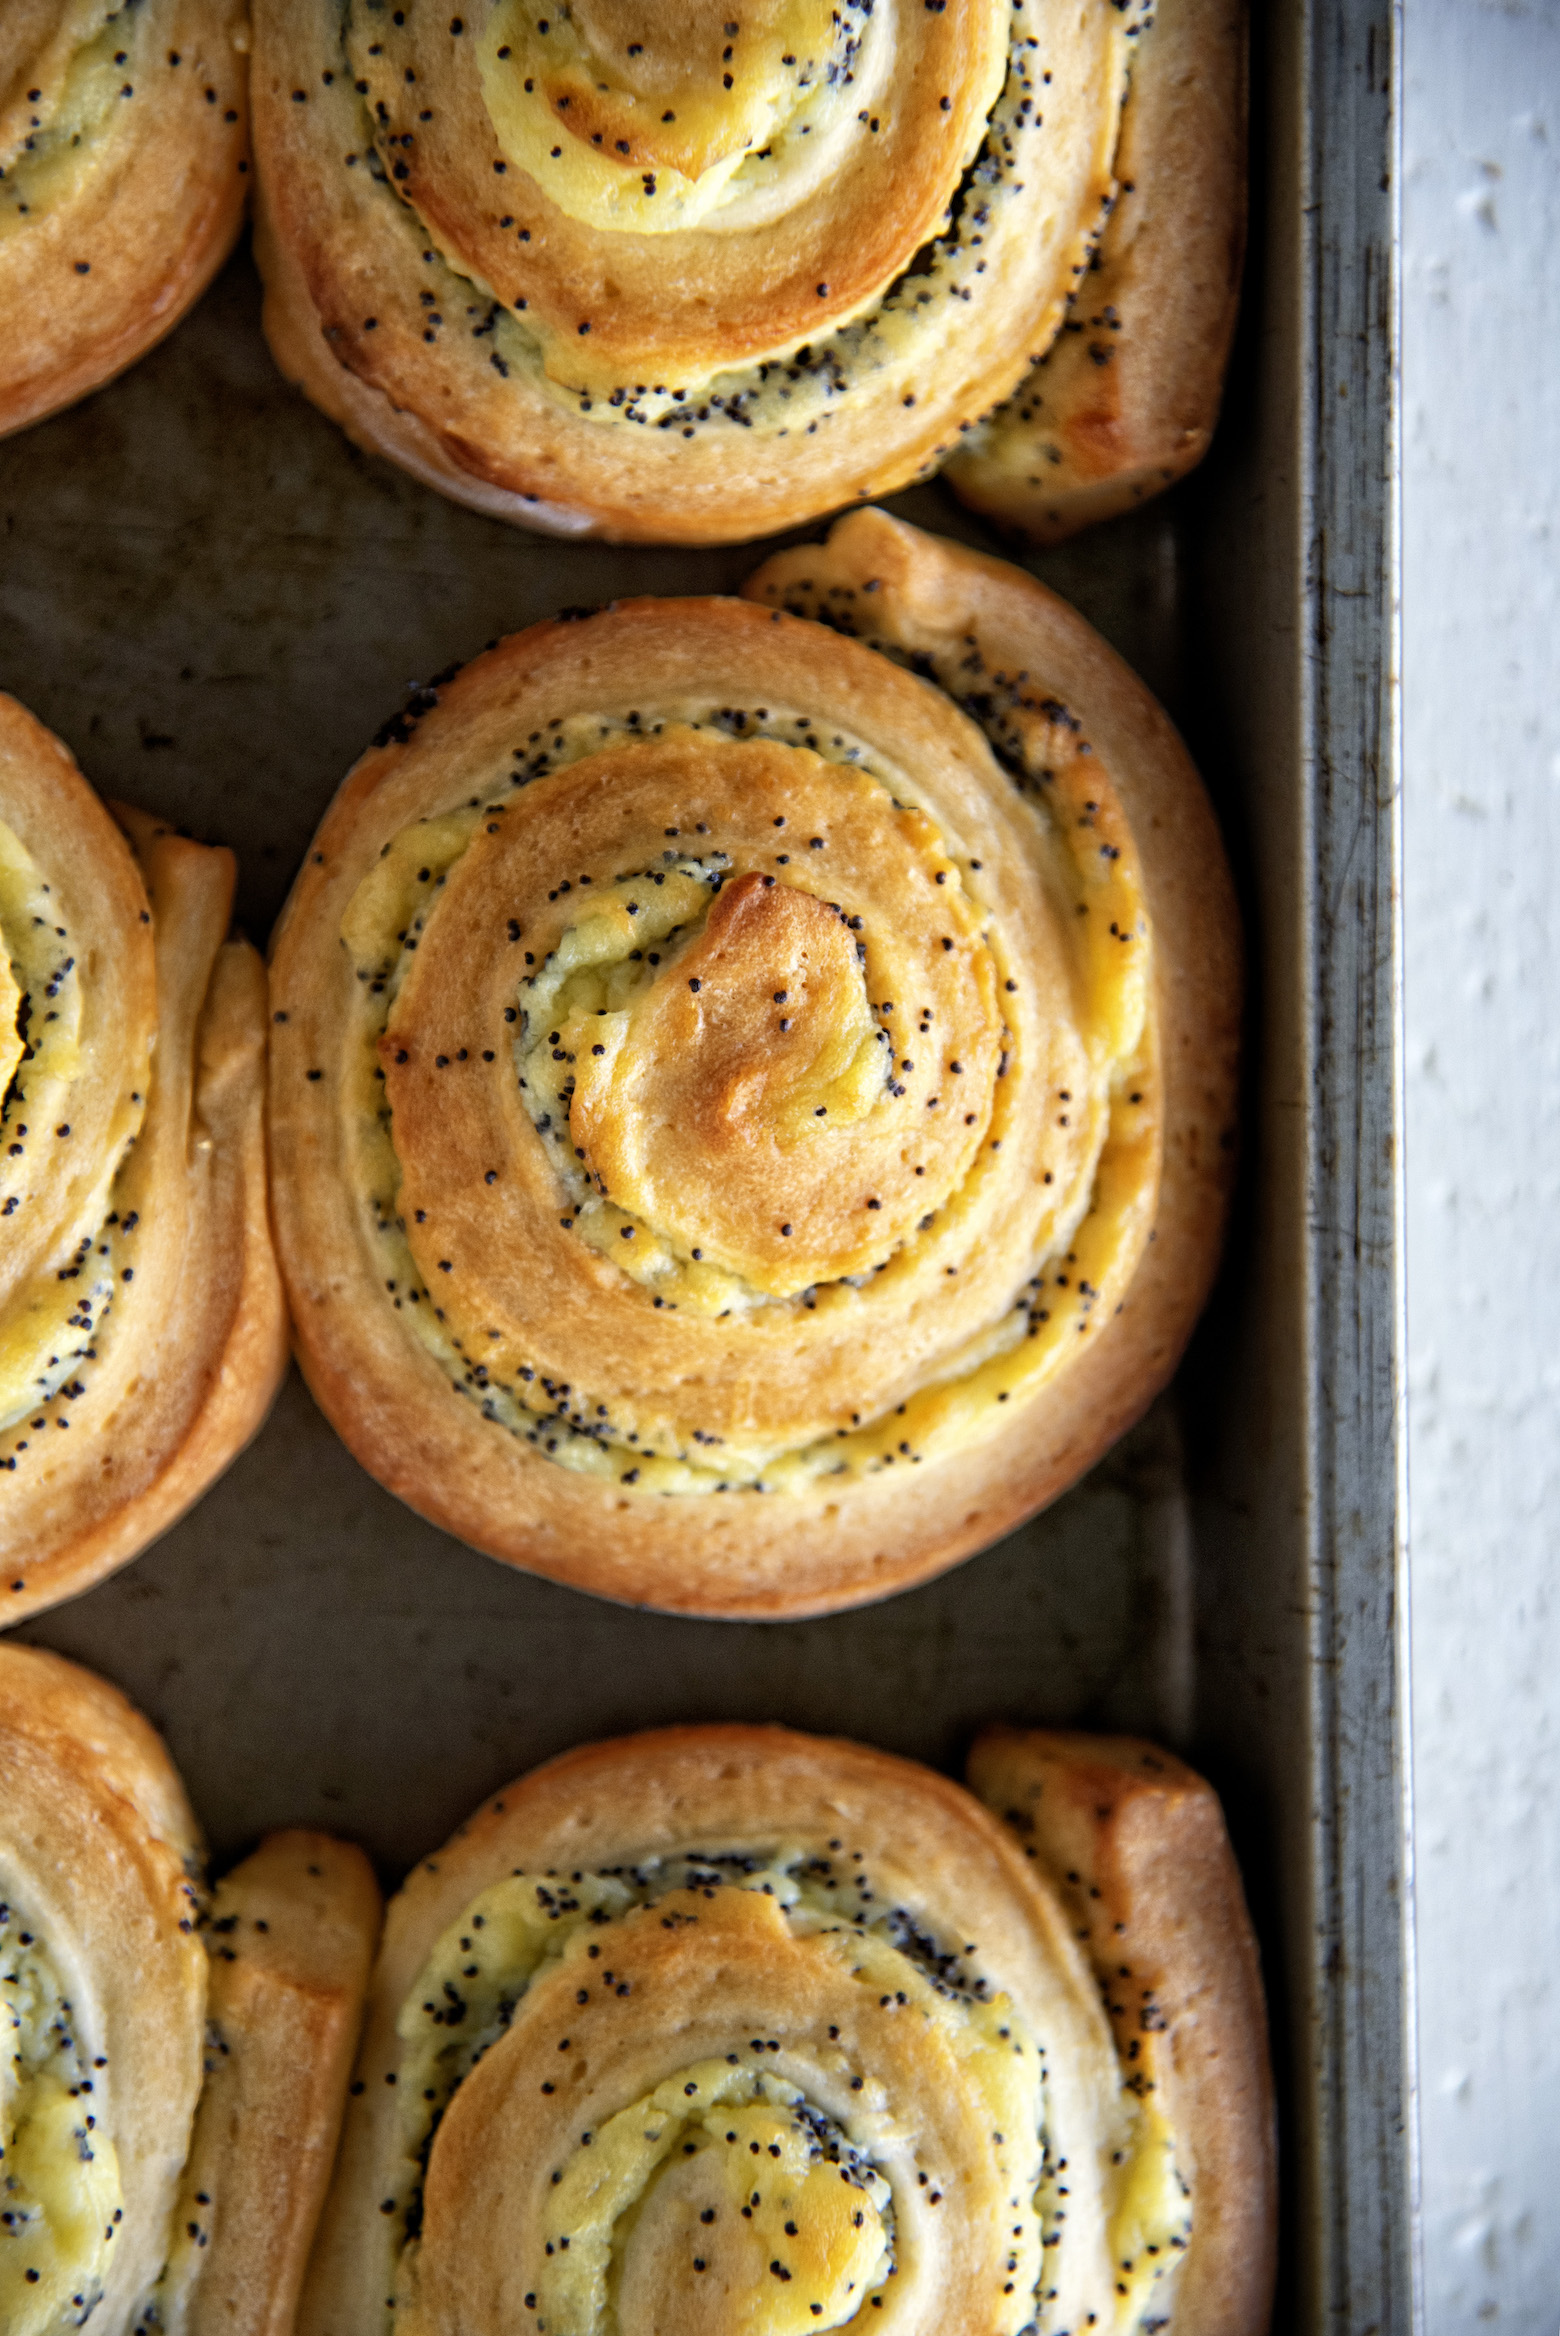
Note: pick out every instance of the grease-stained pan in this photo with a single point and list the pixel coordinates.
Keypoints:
(216, 601)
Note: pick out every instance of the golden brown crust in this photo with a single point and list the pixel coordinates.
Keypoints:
(849, 1538)
(916, 1843)
(870, 308)
(176, 1374)
(123, 229)
(642, 1796)
(1126, 399)
(292, 1933)
(1135, 1843)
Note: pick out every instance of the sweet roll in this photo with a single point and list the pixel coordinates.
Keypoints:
(751, 1106)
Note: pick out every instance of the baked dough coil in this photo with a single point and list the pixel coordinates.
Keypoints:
(694, 273)
(728, 2029)
(750, 1121)
(123, 176)
(174, 2066)
(142, 1324)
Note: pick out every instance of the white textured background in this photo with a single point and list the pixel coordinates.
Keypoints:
(1481, 524)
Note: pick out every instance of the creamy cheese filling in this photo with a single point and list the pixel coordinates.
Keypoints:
(782, 2151)
(584, 998)
(59, 2175)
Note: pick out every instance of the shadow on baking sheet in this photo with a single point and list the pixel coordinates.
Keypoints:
(318, 1655)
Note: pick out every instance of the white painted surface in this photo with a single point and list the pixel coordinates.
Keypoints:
(1481, 518)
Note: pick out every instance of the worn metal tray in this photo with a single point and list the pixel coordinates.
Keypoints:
(216, 601)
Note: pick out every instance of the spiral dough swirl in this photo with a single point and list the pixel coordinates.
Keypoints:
(706, 1066)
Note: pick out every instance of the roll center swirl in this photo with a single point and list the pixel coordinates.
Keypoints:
(645, 88)
(723, 1106)
(636, 118)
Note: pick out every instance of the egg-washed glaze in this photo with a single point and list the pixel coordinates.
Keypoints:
(729, 2029)
(123, 178)
(142, 1326)
(699, 273)
(173, 2066)
(710, 1089)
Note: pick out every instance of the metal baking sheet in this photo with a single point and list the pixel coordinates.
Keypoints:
(216, 601)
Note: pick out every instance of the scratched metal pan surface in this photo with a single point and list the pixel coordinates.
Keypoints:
(216, 601)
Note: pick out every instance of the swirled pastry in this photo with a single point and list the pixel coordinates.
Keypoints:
(735, 2031)
(142, 1325)
(701, 272)
(123, 175)
(751, 1121)
(173, 2073)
